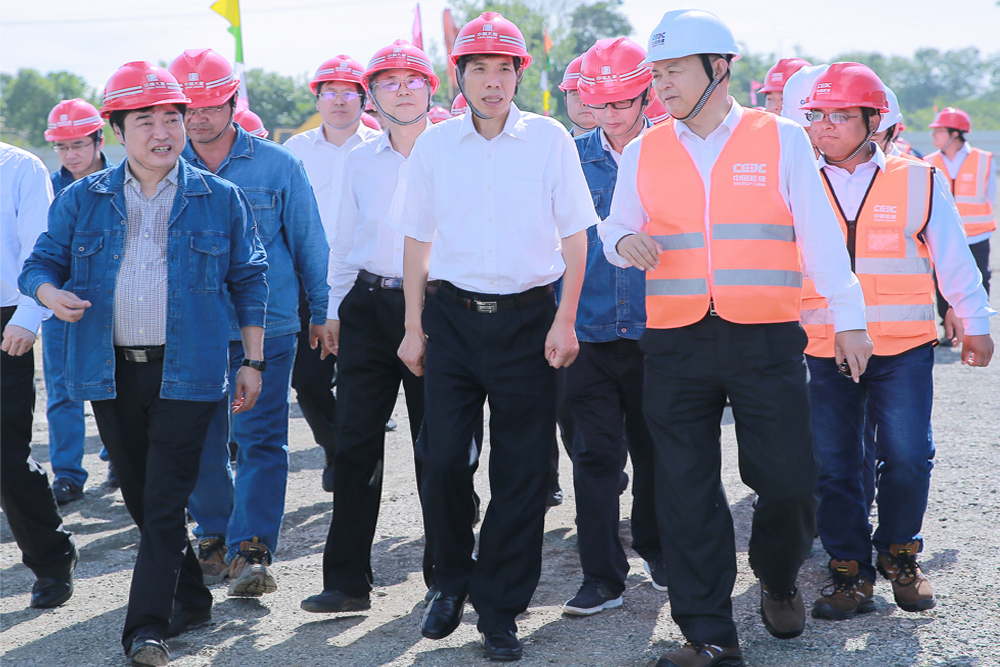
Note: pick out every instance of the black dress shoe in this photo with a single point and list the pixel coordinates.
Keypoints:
(431, 592)
(442, 616)
(184, 620)
(328, 478)
(66, 491)
(332, 602)
(502, 645)
(48, 592)
(148, 652)
(113, 481)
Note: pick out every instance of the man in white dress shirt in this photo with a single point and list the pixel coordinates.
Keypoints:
(496, 206)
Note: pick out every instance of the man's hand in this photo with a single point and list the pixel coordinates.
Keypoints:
(330, 339)
(247, 389)
(954, 327)
(412, 350)
(640, 250)
(976, 350)
(561, 346)
(17, 340)
(66, 305)
(316, 332)
(854, 347)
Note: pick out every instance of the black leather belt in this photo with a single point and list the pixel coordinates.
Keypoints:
(492, 303)
(380, 281)
(142, 354)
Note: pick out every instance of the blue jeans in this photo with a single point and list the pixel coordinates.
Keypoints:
(899, 392)
(255, 505)
(67, 428)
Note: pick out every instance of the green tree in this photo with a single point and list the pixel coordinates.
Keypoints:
(280, 101)
(27, 99)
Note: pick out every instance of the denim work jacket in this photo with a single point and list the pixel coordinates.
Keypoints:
(613, 300)
(62, 177)
(284, 207)
(211, 246)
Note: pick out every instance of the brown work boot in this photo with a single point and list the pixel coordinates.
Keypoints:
(783, 612)
(909, 585)
(212, 558)
(847, 595)
(696, 654)
(249, 575)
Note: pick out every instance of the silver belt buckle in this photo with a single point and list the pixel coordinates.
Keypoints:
(486, 306)
(711, 308)
(392, 283)
(137, 356)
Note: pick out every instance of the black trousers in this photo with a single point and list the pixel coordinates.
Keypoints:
(46, 546)
(370, 372)
(689, 373)
(566, 429)
(604, 386)
(313, 379)
(472, 357)
(155, 445)
(981, 253)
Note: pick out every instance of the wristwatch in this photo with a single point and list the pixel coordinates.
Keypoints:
(256, 365)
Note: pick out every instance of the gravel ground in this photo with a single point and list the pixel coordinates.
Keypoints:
(960, 530)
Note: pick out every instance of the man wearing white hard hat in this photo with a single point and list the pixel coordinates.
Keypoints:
(720, 206)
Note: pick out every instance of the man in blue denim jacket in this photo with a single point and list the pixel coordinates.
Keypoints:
(238, 523)
(139, 259)
(604, 386)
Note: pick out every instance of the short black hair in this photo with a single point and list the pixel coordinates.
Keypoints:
(117, 118)
(96, 135)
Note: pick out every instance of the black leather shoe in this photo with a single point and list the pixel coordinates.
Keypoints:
(148, 652)
(332, 602)
(66, 491)
(48, 592)
(328, 478)
(502, 646)
(113, 481)
(184, 620)
(442, 616)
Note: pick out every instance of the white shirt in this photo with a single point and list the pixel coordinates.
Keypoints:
(953, 166)
(324, 163)
(363, 239)
(494, 209)
(25, 195)
(817, 231)
(958, 277)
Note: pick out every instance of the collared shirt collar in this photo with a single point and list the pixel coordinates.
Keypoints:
(606, 145)
(512, 126)
(731, 120)
(170, 178)
(878, 158)
(384, 143)
(360, 132)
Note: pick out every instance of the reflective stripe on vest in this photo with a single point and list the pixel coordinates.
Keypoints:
(756, 274)
(969, 189)
(891, 261)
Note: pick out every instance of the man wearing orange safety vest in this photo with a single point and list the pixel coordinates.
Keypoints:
(774, 82)
(970, 173)
(718, 205)
(900, 226)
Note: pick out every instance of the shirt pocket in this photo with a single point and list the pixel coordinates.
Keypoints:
(86, 262)
(904, 301)
(266, 213)
(209, 261)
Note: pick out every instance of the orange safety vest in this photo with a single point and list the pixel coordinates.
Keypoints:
(891, 260)
(750, 265)
(969, 189)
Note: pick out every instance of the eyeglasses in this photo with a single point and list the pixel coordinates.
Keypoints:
(837, 117)
(206, 112)
(74, 147)
(620, 104)
(348, 96)
(392, 85)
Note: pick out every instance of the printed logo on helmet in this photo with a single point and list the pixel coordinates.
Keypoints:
(487, 32)
(658, 39)
(192, 76)
(606, 69)
(777, 77)
(63, 118)
(151, 77)
(824, 88)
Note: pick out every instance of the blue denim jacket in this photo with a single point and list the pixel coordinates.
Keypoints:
(613, 300)
(288, 223)
(211, 245)
(62, 177)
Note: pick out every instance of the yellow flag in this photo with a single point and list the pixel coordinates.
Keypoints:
(230, 9)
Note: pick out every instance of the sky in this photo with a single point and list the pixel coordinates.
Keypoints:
(293, 37)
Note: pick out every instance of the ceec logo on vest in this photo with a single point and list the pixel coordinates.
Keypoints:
(750, 173)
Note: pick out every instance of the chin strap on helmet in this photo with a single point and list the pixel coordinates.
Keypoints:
(459, 75)
(861, 147)
(709, 90)
(371, 90)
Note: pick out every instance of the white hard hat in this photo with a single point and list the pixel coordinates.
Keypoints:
(895, 116)
(689, 32)
(797, 90)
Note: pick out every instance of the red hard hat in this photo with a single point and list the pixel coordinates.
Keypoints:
(953, 118)
(438, 113)
(490, 34)
(571, 77)
(847, 85)
(73, 119)
(206, 77)
(251, 122)
(370, 122)
(339, 68)
(774, 81)
(612, 70)
(459, 106)
(402, 55)
(140, 84)
(655, 112)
